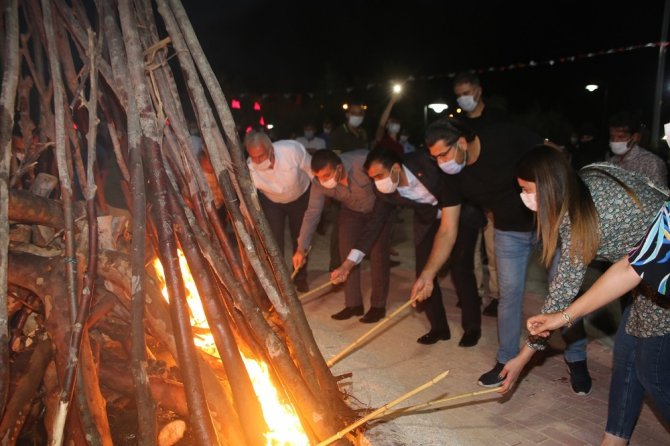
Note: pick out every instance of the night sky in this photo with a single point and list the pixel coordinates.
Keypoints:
(351, 50)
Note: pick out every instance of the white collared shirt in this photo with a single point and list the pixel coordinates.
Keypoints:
(415, 190)
(290, 175)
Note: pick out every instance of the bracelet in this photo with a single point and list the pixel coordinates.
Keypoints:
(566, 316)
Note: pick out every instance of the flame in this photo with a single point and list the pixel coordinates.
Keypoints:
(283, 423)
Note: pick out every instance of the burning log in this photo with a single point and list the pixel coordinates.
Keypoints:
(107, 62)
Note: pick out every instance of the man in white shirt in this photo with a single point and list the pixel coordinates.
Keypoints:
(281, 172)
(309, 139)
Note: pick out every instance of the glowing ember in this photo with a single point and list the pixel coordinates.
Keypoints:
(284, 425)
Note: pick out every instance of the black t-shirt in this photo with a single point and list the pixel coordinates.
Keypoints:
(490, 182)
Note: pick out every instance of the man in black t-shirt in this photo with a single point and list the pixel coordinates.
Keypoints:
(485, 177)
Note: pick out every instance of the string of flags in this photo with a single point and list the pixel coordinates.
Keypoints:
(494, 68)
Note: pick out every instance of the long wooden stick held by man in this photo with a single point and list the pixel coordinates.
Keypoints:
(315, 290)
(384, 408)
(434, 404)
(358, 341)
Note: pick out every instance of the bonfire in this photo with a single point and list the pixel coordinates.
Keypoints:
(170, 318)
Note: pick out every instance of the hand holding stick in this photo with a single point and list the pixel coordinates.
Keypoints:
(295, 271)
(382, 409)
(381, 323)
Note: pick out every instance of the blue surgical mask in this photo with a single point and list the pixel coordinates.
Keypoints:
(467, 102)
(451, 167)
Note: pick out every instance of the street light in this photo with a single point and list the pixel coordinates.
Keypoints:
(436, 107)
(591, 88)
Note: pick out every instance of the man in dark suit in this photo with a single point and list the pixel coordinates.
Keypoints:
(415, 181)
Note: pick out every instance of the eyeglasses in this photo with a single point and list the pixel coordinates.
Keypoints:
(446, 152)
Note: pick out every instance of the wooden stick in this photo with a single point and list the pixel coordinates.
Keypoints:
(304, 295)
(417, 407)
(295, 271)
(382, 409)
(381, 323)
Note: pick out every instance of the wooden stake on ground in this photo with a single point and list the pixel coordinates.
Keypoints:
(319, 288)
(295, 271)
(429, 404)
(381, 323)
(383, 409)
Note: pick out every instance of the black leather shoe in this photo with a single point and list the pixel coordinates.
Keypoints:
(433, 336)
(373, 315)
(470, 338)
(348, 312)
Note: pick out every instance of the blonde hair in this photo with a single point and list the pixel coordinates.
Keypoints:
(561, 192)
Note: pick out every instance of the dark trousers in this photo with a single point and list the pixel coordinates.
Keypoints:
(276, 214)
(433, 306)
(463, 266)
(350, 227)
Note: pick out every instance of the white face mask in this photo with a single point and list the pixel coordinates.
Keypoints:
(387, 185)
(309, 134)
(452, 167)
(530, 200)
(355, 121)
(467, 102)
(263, 165)
(326, 130)
(331, 182)
(619, 148)
(393, 127)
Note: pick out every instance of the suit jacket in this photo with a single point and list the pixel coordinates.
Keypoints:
(426, 170)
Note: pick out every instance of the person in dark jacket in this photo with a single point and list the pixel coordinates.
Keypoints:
(415, 181)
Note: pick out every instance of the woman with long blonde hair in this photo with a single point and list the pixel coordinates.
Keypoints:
(601, 211)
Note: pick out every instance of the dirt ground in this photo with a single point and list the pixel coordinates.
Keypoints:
(541, 410)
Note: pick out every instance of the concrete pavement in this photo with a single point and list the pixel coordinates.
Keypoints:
(542, 409)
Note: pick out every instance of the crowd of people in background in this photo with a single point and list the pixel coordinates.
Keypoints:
(486, 192)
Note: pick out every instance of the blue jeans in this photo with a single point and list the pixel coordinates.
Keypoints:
(512, 253)
(640, 365)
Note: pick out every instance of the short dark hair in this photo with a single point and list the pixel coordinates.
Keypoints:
(466, 77)
(624, 119)
(385, 157)
(325, 158)
(449, 130)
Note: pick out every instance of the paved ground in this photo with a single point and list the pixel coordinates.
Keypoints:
(542, 410)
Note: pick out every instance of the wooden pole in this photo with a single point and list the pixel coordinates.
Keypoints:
(315, 290)
(384, 408)
(10, 80)
(358, 341)
(429, 404)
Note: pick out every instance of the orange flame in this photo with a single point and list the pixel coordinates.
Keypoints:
(284, 424)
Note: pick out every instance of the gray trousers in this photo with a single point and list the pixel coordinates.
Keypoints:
(350, 227)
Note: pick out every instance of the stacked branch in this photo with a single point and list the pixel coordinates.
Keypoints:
(93, 87)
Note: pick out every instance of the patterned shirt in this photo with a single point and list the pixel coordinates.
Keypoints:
(621, 224)
(644, 162)
(651, 316)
